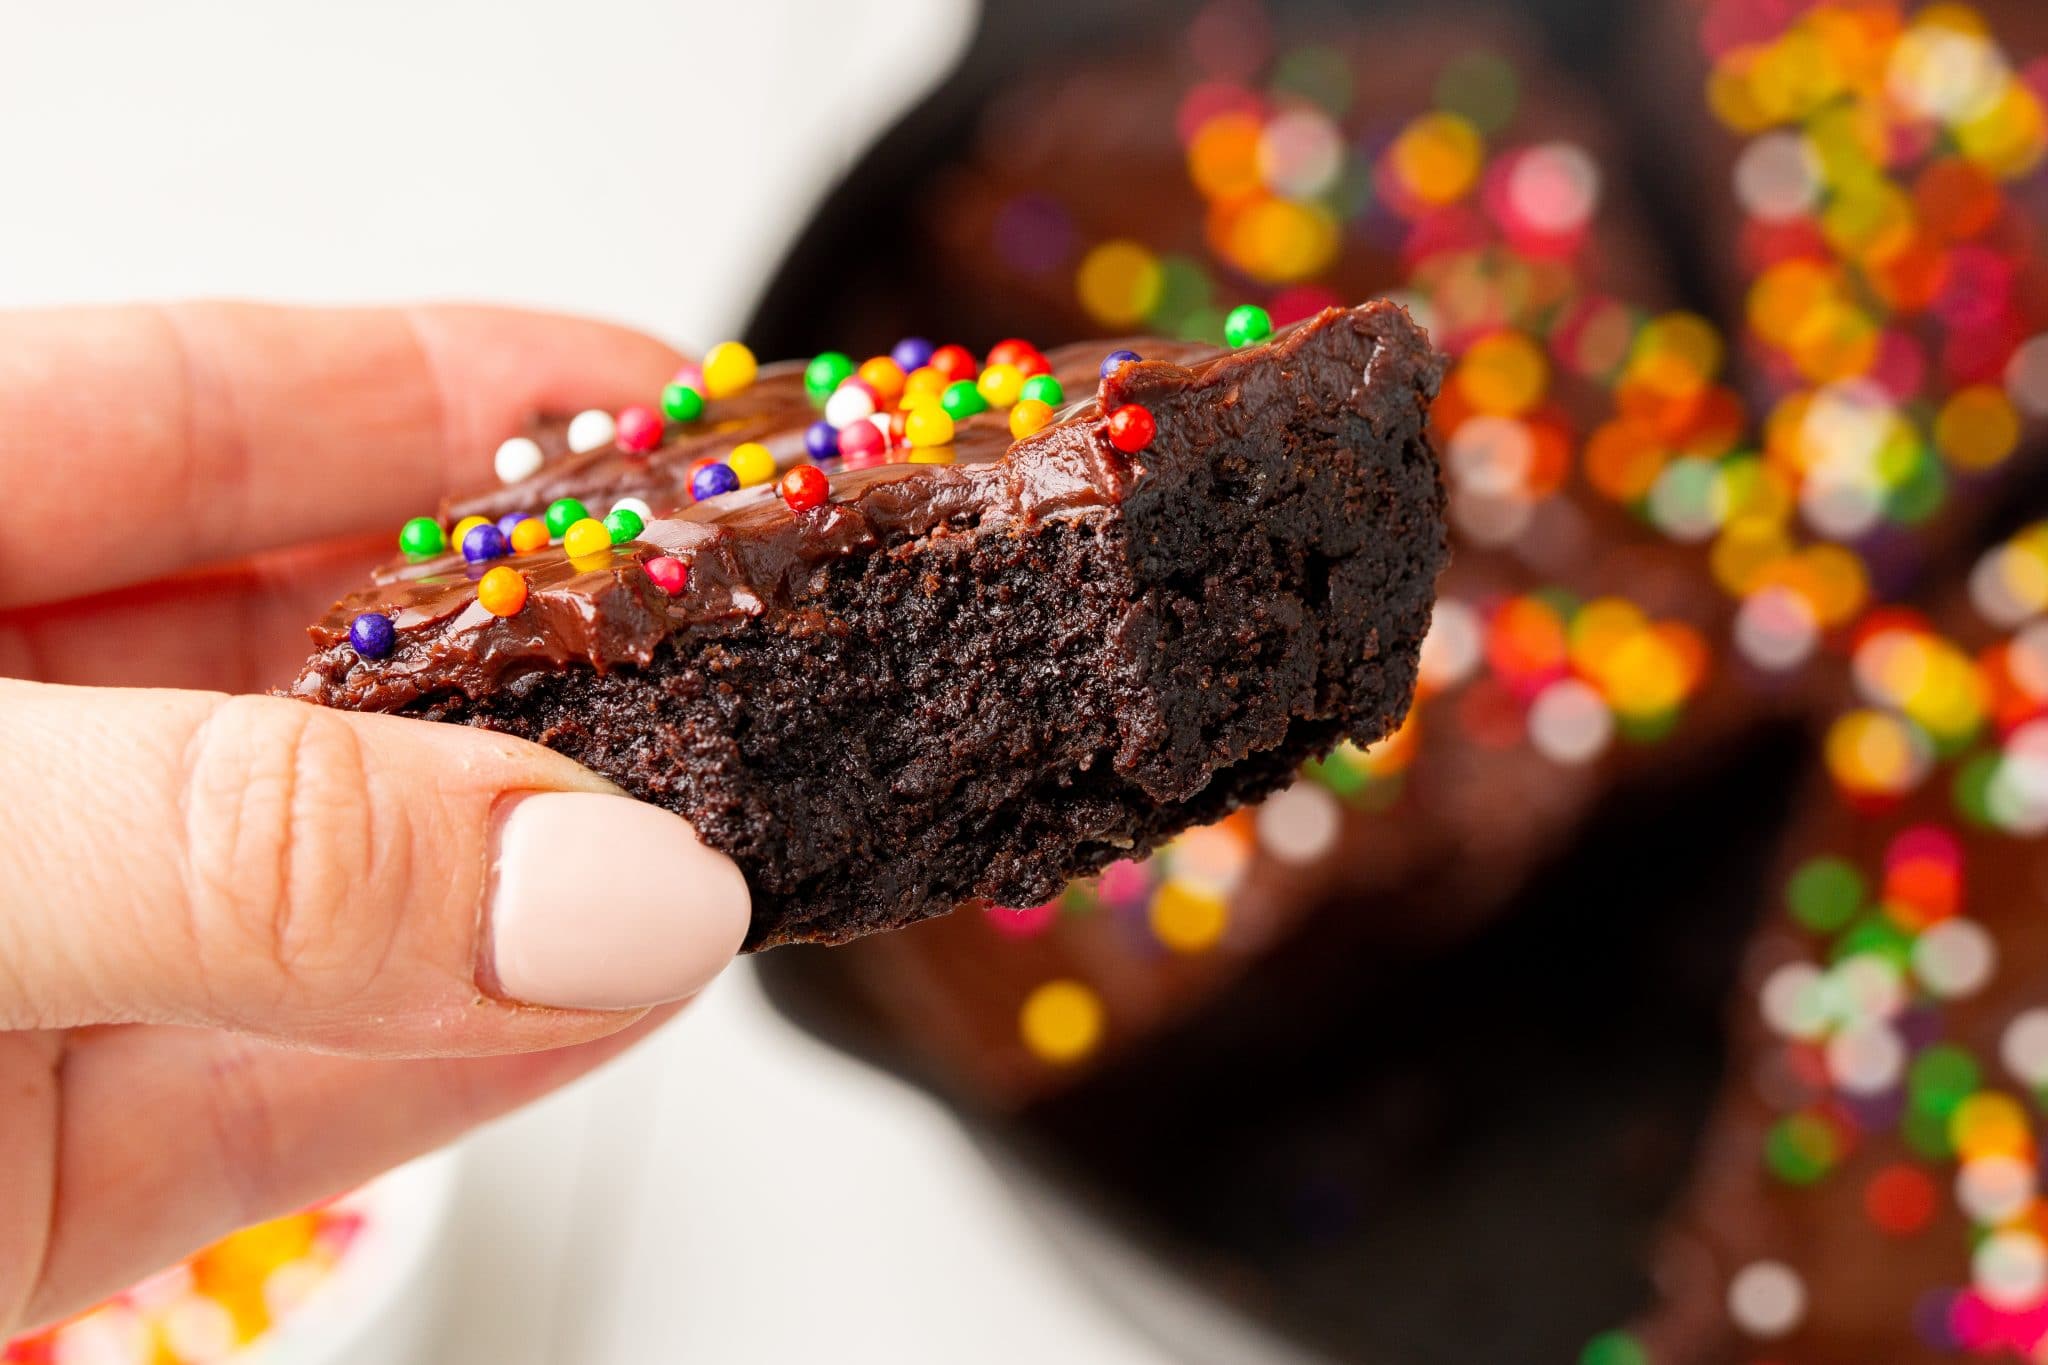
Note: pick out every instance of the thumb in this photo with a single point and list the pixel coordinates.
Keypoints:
(355, 882)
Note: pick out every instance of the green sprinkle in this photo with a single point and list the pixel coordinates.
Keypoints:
(1614, 1348)
(682, 403)
(825, 372)
(421, 537)
(624, 524)
(1973, 789)
(1825, 894)
(563, 513)
(1800, 1149)
(1940, 1079)
(962, 399)
(1483, 87)
(1246, 324)
(1045, 389)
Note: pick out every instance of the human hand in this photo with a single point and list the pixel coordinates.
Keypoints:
(196, 888)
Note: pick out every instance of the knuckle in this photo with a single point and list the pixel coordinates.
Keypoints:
(286, 850)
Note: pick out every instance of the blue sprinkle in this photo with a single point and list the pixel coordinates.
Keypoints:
(1116, 358)
(912, 353)
(821, 440)
(712, 480)
(372, 635)
(485, 543)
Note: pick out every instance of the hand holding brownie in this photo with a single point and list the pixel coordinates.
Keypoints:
(220, 876)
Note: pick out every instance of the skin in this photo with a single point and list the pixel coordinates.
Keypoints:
(238, 934)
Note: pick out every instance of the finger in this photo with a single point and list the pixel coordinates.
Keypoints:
(353, 882)
(237, 627)
(225, 428)
(170, 1138)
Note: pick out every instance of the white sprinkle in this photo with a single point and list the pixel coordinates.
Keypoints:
(848, 405)
(637, 506)
(519, 458)
(1300, 824)
(591, 430)
(1775, 629)
(1778, 177)
(1994, 1189)
(1451, 649)
(1954, 958)
(2010, 1269)
(1569, 723)
(1766, 1299)
(1793, 1001)
(1866, 1058)
(2024, 1047)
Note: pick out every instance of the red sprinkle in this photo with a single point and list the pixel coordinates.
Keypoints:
(639, 429)
(669, 573)
(1131, 428)
(804, 487)
(954, 362)
(1011, 352)
(862, 443)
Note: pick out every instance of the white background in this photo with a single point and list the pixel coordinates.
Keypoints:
(733, 1191)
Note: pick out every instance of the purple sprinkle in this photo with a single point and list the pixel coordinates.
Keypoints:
(912, 353)
(821, 440)
(508, 521)
(1116, 358)
(712, 480)
(484, 543)
(372, 635)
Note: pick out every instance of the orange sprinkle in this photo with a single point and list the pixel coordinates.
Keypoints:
(529, 534)
(502, 591)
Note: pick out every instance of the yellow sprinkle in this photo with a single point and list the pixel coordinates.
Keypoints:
(1977, 428)
(1437, 157)
(1119, 283)
(728, 368)
(928, 426)
(1000, 384)
(586, 537)
(1989, 1124)
(752, 462)
(1188, 918)
(1061, 1021)
(1504, 374)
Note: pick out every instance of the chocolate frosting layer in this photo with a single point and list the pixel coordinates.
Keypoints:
(747, 552)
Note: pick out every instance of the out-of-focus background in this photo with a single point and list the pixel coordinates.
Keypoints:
(734, 1191)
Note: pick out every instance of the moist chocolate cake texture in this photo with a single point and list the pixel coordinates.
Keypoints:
(972, 673)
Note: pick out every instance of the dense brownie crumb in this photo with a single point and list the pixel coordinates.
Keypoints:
(998, 704)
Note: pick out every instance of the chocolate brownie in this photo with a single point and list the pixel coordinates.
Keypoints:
(1515, 742)
(965, 680)
(1867, 1184)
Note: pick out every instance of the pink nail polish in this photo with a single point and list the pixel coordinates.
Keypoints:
(606, 903)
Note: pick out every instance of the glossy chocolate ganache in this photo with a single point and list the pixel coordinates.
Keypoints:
(746, 550)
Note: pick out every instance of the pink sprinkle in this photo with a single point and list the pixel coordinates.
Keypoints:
(669, 573)
(1027, 922)
(1123, 882)
(639, 429)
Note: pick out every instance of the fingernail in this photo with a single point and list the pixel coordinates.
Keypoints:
(606, 903)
